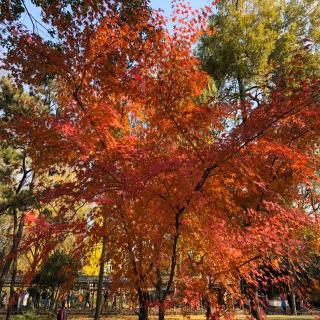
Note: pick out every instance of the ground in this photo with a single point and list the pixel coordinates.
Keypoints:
(198, 317)
(273, 317)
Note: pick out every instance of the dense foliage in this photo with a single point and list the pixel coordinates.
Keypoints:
(188, 181)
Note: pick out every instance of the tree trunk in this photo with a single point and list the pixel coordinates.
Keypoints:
(159, 295)
(255, 307)
(143, 308)
(291, 290)
(100, 283)
(143, 313)
(164, 293)
(208, 309)
(162, 310)
(18, 229)
(55, 302)
(17, 236)
(12, 284)
(293, 302)
(242, 96)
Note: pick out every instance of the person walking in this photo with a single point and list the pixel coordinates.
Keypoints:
(4, 299)
(25, 298)
(44, 298)
(15, 300)
(87, 301)
(81, 298)
(69, 299)
(62, 314)
(36, 299)
(105, 298)
(20, 300)
(283, 303)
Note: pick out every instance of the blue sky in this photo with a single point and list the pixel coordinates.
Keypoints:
(163, 4)
(166, 4)
(156, 4)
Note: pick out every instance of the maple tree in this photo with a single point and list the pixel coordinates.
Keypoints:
(165, 170)
(248, 59)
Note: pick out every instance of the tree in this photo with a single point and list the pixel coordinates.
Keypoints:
(157, 163)
(17, 177)
(56, 274)
(258, 48)
(103, 258)
(256, 43)
(20, 183)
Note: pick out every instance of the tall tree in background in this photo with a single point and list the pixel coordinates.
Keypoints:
(17, 176)
(20, 184)
(256, 44)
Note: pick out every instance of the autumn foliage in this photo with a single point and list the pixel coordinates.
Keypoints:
(182, 191)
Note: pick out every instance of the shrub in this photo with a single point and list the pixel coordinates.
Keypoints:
(31, 315)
